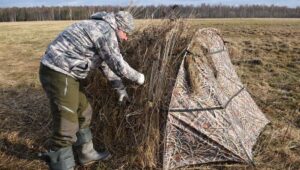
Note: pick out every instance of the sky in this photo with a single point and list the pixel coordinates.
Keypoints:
(30, 3)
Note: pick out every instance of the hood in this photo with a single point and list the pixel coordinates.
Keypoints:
(108, 17)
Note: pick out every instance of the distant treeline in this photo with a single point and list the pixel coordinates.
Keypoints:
(149, 12)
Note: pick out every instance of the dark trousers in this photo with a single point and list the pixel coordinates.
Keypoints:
(70, 108)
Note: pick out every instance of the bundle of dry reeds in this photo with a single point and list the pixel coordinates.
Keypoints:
(134, 132)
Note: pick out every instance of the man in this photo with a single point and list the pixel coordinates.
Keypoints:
(68, 59)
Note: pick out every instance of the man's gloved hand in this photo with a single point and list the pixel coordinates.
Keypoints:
(141, 79)
(123, 96)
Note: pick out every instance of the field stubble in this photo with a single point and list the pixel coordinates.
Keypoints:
(265, 52)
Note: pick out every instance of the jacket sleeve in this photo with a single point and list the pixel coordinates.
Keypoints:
(108, 49)
(115, 81)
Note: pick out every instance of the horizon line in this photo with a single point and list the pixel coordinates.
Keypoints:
(156, 5)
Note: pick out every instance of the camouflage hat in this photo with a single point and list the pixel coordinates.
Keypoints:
(125, 21)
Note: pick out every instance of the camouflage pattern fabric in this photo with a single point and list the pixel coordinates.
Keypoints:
(115, 81)
(70, 108)
(125, 21)
(78, 46)
(212, 118)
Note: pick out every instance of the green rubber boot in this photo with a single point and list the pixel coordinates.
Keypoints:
(62, 159)
(84, 148)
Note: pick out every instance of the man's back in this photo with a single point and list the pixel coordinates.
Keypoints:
(72, 51)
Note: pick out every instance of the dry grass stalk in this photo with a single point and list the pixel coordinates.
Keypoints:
(26, 120)
(135, 131)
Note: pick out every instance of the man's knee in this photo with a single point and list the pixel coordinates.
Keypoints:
(65, 127)
(85, 117)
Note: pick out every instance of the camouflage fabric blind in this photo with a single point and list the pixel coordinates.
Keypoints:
(87, 44)
(212, 118)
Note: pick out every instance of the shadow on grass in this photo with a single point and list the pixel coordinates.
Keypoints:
(25, 126)
(18, 150)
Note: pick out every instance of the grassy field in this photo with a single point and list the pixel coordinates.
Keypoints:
(265, 52)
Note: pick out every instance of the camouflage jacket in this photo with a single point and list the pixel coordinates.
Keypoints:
(88, 44)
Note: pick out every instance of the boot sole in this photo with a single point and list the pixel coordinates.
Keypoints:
(102, 159)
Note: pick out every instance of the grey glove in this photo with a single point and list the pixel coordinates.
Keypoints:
(123, 96)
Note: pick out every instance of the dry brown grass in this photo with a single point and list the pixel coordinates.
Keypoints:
(266, 53)
(135, 131)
